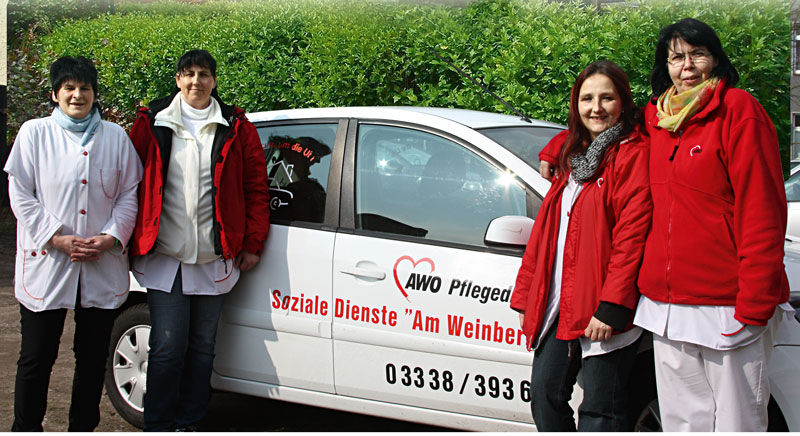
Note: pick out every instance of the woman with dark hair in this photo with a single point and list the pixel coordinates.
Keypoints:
(712, 274)
(203, 219)
(576, 289)
(72, 186)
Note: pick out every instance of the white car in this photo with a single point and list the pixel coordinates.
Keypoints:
(384, 287)
(792, 186)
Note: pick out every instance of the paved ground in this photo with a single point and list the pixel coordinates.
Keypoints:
(227, 412)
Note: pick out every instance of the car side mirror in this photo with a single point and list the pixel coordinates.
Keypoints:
(509, 230)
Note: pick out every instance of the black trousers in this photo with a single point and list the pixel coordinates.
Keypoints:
(41, 335)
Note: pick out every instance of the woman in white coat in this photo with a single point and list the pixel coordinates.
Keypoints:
(72, 187)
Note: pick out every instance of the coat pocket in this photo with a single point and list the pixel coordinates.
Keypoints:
(113, 267)
(109, 181)
(223, 270)
(734, 334)
(38, 268)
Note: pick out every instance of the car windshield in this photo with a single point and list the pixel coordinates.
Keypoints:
(792, 186)
(525, 142)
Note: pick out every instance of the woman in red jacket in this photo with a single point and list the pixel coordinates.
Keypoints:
(203, 219)
(712, 274)
(576, 289)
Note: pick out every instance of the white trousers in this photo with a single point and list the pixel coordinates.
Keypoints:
(703, 389)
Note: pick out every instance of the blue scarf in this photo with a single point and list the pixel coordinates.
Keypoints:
(87, 125)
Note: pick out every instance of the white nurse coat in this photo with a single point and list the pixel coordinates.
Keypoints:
(55, 184)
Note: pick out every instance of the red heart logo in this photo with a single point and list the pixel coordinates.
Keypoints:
(414, 264)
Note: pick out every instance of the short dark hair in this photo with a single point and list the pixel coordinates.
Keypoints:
(79, 69)
(197, 58)
(696, 33)
(579, 137)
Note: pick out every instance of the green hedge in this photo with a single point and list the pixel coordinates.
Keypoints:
(277, 54)
(39, 16)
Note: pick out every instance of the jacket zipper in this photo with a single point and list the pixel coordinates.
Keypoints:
(575, 198)
(572, 347)
(669, 224)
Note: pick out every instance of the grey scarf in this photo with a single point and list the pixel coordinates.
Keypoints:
(585, 163)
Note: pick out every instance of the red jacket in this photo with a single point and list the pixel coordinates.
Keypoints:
(603, 248)
(240, 192)
(719, 217)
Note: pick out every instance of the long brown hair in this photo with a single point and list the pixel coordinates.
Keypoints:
(579, 137)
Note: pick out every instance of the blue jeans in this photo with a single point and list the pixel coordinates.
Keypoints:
(182, 339)
(605, 386)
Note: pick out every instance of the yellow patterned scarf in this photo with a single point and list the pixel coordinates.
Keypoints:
(674, 109)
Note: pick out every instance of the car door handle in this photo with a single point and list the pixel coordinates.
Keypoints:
(366, 273)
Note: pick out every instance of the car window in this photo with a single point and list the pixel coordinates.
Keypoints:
(524, 142)
(415, 183)
(298, 160)
(792, 186)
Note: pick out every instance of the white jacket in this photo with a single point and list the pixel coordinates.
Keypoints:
(55, 184)
(187, 213)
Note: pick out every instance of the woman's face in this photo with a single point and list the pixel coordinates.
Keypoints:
(196, 84)
(689, 65)
(74, 98)
(599, 104)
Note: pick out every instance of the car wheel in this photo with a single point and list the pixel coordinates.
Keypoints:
(649, 418)
(776, 422)
(126, 369)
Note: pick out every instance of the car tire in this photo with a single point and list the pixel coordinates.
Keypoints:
(643, 390)
(776, 421)
(649, 419)
(126, 368)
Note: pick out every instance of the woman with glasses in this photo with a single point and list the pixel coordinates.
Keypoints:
(712, 279)
(712, 274)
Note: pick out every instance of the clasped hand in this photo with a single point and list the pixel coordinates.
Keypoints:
(82, 249)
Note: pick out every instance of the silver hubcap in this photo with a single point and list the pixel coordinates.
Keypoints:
(130, 365)
(650, 419)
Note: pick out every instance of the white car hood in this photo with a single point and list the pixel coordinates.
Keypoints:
(791, 260)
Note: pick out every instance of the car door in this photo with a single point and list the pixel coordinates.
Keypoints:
(276, 323)
(421, 311)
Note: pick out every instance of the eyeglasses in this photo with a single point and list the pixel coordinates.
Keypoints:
(697, 57)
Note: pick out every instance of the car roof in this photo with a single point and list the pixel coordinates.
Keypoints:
(469, 118)
(479, 119)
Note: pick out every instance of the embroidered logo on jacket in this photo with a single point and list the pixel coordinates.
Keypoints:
(695, 150)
